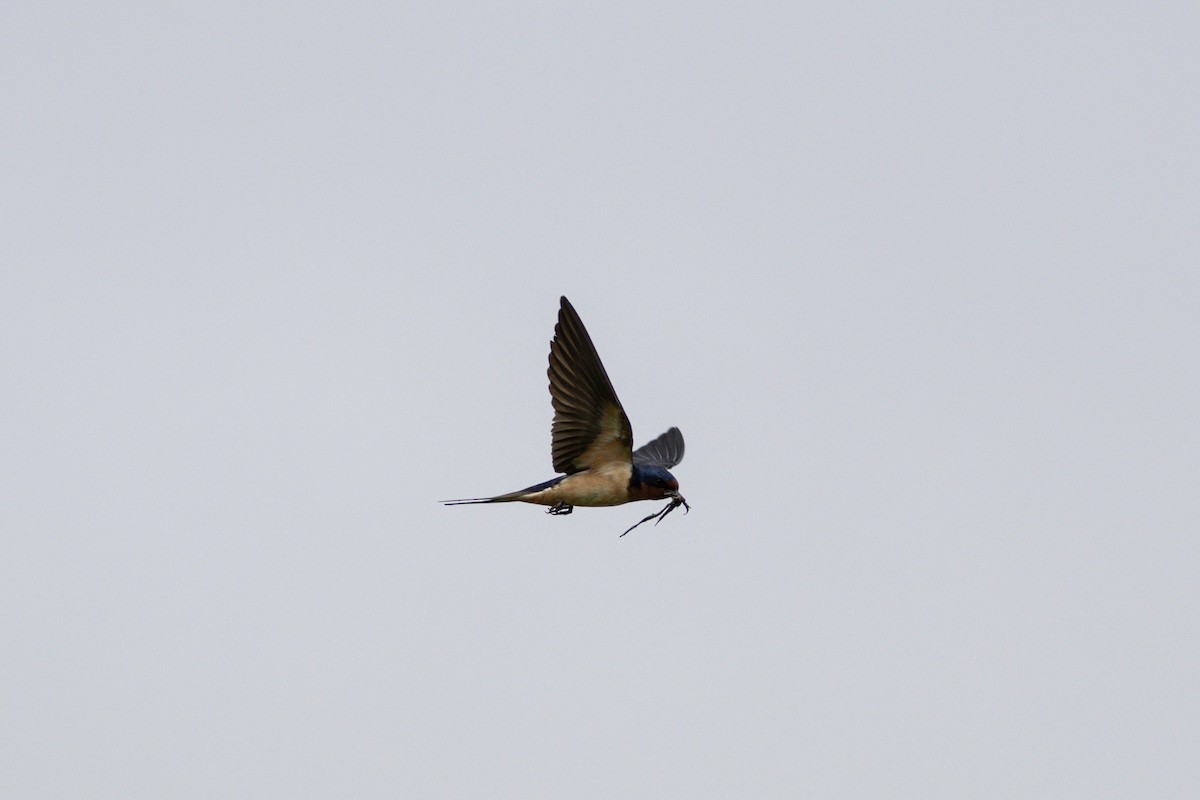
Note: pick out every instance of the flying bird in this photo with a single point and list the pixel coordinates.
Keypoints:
(591, 440)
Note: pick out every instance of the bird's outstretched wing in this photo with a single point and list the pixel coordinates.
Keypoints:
(666, 451)
(590, 427)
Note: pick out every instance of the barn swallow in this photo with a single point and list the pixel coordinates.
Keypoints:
(591, 440)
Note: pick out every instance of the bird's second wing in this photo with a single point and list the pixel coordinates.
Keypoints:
(590, 427)
(666, 451)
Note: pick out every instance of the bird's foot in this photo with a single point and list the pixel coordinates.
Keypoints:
(657, 516)
(560, 508)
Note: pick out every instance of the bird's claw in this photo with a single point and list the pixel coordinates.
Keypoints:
(657, 516)
(560, 508)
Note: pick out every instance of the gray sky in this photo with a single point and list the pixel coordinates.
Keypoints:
(918, 284)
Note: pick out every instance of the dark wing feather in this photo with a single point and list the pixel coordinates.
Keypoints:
(666, 451)
(590, 427)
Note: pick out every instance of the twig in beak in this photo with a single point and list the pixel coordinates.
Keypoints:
(676, 501)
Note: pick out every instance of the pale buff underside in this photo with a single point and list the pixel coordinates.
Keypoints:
(607, 486)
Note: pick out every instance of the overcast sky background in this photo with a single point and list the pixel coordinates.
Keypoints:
(918, 284)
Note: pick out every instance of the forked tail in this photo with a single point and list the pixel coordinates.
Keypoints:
(511, 497)
(500, 498)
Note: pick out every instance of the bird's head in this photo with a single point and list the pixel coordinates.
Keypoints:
(652, 482)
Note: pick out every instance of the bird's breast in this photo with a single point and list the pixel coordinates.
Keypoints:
(606, 486)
